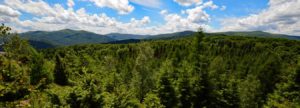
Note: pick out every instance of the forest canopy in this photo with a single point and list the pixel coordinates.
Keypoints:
(197, 71)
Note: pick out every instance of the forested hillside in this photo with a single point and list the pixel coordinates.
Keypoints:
(260, 34)
(65, 37)
(197, 71)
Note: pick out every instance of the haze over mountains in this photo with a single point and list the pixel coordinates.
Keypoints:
(67, 37)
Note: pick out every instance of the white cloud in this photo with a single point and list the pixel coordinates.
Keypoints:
(164, 12)
(282, 16)
(8, 15)
(148, 3)
(39, 8)
(182, 12)
(56, 17)
(7, 11)
(188, 2)
(146, 20)
(195, 17)
(122, 6)
(209, 4)
(70, 3)
(198, 15)
(137, 23)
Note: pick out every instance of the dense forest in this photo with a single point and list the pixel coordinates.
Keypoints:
(191, 72)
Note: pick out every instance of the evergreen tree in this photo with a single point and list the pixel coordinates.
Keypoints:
(202, 87)
(60, 72)
(144, 76)
(167, 93)
(185, 93)
(152, 101)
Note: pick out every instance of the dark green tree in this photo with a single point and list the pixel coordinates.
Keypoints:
(60, 72)
(202, 88)
(185, 93)
(167, 93)
(143, 79)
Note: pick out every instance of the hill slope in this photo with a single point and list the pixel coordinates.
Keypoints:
(259, 34)
(129, 37)
(119, 36)
(71, 37)
(66, 37)
(171, 35)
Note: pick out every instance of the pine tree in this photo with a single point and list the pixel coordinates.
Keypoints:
(202, 87)
(167, 93)
(60, 74)
(143, 79)
(185, 93)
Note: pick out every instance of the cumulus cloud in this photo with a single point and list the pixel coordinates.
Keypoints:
(8, 14)
(70, 3)
(209, 4)
(282, 16)
(122, 6)
(56, 17)
(188, 2)
(39, 8)
(197, 15)
(163, 12)
(192, 19)
(7, 11)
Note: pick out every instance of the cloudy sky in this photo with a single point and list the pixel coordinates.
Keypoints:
(152, 16)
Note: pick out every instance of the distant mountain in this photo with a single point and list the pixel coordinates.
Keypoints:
(43, 39)
(130, 38)
(126, 41)
(171, 35)
(259, 34)
(35, 44)
(40, 44)
(118, 36)
(66, 37)
(190, 33)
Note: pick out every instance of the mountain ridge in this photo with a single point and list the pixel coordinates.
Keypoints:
(68, 37)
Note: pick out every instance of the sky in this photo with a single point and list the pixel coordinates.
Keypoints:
(152, 16)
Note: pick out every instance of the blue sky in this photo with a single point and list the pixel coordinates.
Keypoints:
(152, 16)
(234, 8)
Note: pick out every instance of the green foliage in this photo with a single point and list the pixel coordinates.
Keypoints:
(199, 71)
(4, 33)
(152, 101)
(60, 72)
(64, 38)
(167, 93)
(41, 71)
(21, 66)
(87, 96)
(144, 80)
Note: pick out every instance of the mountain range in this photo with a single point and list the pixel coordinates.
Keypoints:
(67, 37)
(260, 34)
